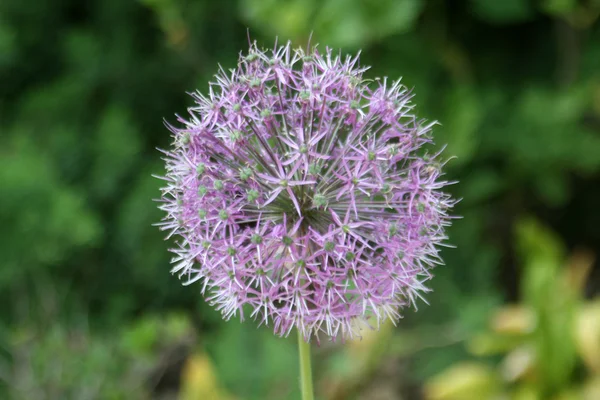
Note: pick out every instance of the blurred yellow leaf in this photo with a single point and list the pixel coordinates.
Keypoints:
(579, 266)
(587, 335)
(518, 363)
(492, 343)
(513, 320)
(464, 381)
(199, 380)
(371, 341)
(591, 389)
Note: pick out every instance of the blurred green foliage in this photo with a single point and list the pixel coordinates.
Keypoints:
(84, 88)
(74, 363)
(549, 343)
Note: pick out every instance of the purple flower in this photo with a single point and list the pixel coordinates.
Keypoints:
(302, 194)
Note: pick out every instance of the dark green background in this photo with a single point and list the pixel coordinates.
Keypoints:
(84, 88)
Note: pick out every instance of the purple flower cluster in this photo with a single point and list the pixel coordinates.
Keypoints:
(303, 195)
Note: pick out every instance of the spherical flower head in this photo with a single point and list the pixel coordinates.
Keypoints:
(304, 195)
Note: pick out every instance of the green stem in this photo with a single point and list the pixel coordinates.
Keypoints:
(306, 385)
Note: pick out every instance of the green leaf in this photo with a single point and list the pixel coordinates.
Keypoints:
(553, 302)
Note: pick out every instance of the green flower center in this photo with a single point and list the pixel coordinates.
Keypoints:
(252, 195)
(256, 239)
(245, 173)
(223, 215)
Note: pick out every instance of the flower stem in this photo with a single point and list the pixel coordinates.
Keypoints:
(306, 385)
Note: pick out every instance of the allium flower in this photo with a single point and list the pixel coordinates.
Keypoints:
(303, 195)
